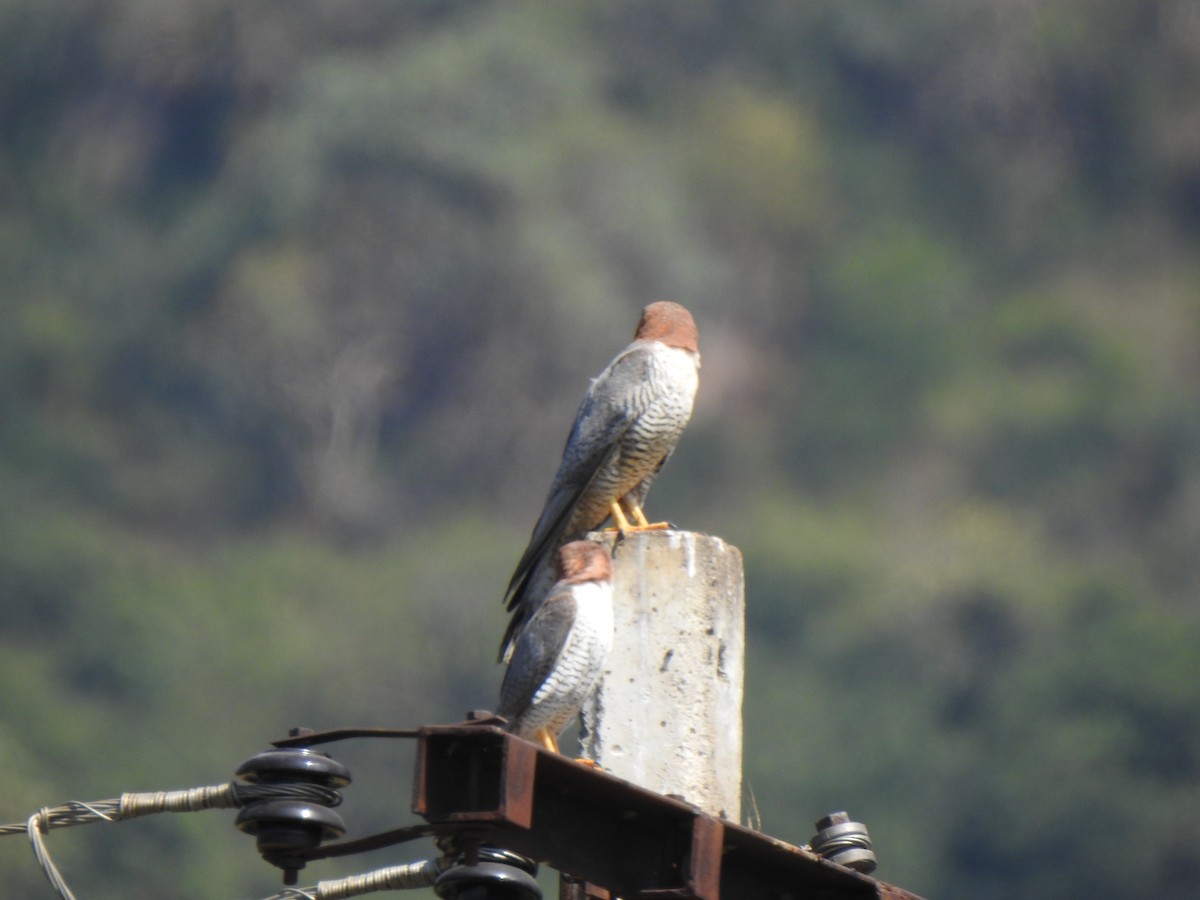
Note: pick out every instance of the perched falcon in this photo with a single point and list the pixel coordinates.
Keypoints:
(626, 427)
(559, 655)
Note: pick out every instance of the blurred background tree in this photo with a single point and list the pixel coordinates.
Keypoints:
(299, 300)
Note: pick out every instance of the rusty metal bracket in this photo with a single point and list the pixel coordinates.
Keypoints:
(605, 831)
(610, 837)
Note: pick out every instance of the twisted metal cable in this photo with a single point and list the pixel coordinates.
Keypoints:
(34, 826)
(130, 806)
(406, 877)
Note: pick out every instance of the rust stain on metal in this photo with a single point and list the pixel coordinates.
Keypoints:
(604, 831)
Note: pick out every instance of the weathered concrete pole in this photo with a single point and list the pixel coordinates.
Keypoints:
(668, 712)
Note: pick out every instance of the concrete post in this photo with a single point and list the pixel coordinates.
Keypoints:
(668, 712)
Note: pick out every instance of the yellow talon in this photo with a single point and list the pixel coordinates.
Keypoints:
(639, 517)
(643, 525)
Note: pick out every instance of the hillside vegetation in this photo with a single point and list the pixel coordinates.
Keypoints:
(299, 299)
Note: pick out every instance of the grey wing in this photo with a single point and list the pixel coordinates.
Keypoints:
(612, 403)
(536, 653)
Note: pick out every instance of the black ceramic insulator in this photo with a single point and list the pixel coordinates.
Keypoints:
(497, 875)
(294, 764)
(286, 829)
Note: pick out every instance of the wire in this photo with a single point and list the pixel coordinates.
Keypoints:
(131, 806)
(410, 876)
(34, 826)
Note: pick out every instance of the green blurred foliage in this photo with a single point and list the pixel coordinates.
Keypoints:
(299, 298)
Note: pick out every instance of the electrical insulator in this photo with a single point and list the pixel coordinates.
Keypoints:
(286, 828)
(844, 842)
(496, 875)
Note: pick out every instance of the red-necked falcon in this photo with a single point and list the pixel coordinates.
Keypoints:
(626, 428)
(560, 653)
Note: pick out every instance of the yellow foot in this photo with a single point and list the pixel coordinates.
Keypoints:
(546, 739)
(618, 516)
(590, 763)
(640, 523)
(643, 525)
